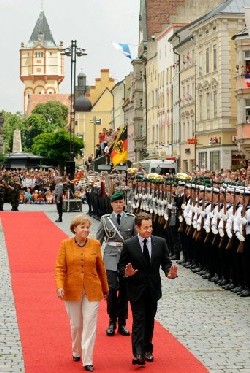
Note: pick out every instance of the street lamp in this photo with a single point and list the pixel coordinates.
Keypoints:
(73, 52)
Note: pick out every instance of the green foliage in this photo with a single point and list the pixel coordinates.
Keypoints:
(55, 114)
(2, 159)
(55, 147)
(35, 125)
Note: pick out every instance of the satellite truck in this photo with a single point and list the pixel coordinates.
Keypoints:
(159, 166)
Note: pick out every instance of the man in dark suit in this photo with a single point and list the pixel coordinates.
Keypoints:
(140, 261)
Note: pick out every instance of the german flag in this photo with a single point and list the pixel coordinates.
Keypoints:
(119, 148)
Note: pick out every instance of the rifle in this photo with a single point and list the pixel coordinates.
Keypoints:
(198, 236)
(223, 239)
(196, 231)
(169, 203)
(230, 241)
(190, 230)
(241, 247)
(208, 236)
(181, 217)
(216, 239)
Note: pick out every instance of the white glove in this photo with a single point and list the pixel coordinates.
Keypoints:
(218, 215)
(180, 219)
(240, 237)
(229, 233)
(183, 206)
(215, 231)
(151, 211)
(202, 213)
(194, 224)
(224, 217)
(198, 227)
(243, 220)
(170, 206)
(221, 232)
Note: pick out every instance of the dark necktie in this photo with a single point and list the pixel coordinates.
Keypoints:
(118, 219)
(146, 252)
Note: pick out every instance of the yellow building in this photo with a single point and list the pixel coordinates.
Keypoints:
(89, 123)
(41, 62)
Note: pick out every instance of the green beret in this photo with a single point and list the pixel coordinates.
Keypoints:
(117, 196)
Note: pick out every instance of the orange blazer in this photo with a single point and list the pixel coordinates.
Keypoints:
(79, 269)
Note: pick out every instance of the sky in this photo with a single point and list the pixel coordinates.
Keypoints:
(95, 24)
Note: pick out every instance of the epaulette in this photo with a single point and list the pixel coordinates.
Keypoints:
(105, 215)
(129, 214)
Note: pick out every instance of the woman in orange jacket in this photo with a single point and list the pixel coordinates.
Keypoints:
(81, 282)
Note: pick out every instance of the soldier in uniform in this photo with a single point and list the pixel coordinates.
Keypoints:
(14, 190)
(115, 228)
(59, 198)
(2, 192)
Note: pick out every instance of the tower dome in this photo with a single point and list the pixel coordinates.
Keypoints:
(82, 103)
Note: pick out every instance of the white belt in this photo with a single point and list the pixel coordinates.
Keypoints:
(116, 244)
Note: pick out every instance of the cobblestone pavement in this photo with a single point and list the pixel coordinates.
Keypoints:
(212, 323)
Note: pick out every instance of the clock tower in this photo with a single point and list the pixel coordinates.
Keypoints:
(41, 62)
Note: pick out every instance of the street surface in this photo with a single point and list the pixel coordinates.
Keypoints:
(212, 323)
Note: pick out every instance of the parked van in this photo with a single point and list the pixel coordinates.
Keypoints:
(159, 166)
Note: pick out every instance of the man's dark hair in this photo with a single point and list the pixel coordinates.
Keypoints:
(140, 217)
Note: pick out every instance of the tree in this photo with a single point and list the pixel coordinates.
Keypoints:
(55, 114)
(35, 125)
(55, 147)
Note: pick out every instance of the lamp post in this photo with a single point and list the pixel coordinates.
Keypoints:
(73, 52)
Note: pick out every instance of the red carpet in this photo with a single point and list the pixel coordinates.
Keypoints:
(32, 241)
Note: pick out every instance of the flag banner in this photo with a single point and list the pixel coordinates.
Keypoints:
(119, 148)
(124, 48)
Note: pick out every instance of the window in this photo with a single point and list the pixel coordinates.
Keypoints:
(200, 63)
(207, 60)
(214, 57)
(215, 105)
(38, 54)
(203, 160)
(215, 161)
(247, 111)
(208, 106)
(200, 107)
(247, 62)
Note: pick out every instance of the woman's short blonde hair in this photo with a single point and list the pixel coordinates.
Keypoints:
(77, 220)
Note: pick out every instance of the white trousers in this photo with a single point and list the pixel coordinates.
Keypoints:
(83, 319)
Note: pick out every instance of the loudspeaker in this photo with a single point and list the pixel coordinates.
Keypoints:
(70, 169)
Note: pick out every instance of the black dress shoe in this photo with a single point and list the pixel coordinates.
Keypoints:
(89, 368)
(76, 358)
(237, 289)
(245, 293)
(149, 357)
(58, 220)
(111, 330)
(123, 331)
(138, 360)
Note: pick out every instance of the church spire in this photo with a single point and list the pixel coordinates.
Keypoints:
(41, 32)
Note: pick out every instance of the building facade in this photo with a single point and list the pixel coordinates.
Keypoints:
(41, 62)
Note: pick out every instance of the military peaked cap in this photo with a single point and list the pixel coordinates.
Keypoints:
(117, 196)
